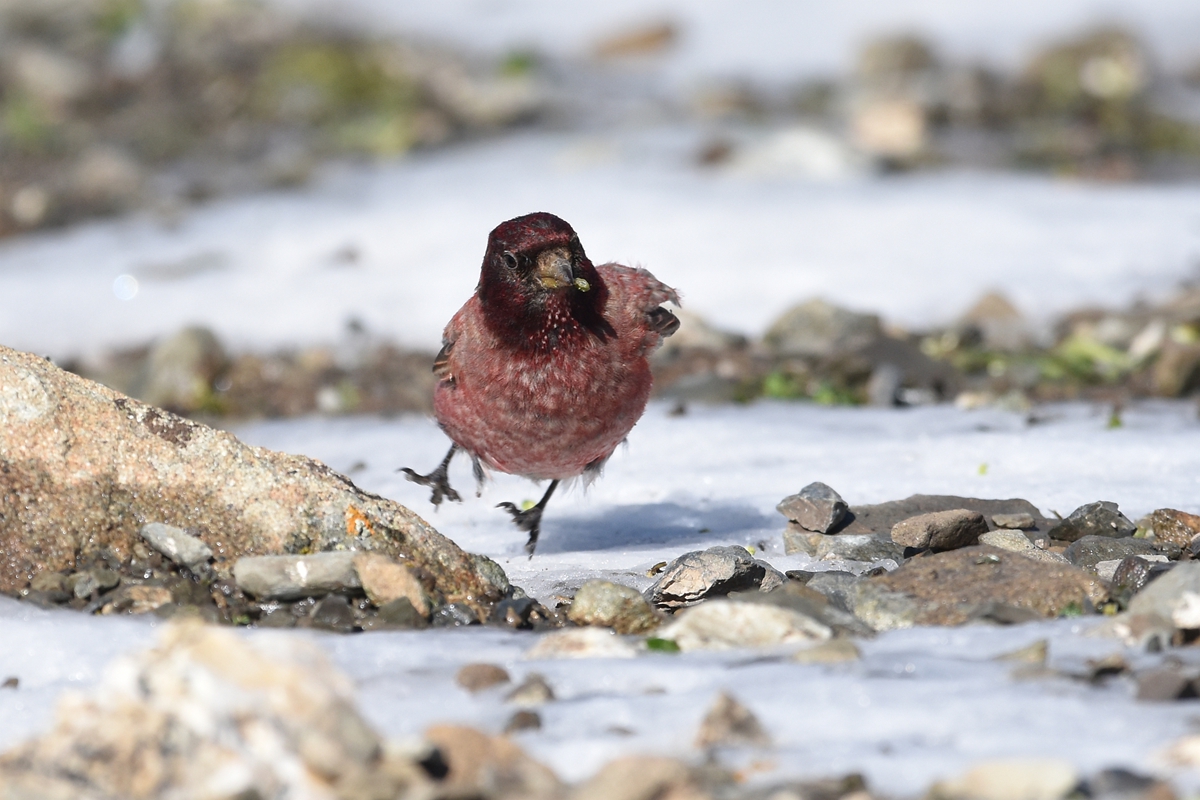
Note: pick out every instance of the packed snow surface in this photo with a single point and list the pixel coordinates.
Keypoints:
(920, 705)
(398, 248)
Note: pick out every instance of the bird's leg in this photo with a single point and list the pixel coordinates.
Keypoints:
(477, 468)
(531, 518)
(438, 480)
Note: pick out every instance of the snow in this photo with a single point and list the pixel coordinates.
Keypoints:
(262, 272)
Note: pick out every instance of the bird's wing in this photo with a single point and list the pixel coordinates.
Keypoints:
(444, 361)
(638, 296)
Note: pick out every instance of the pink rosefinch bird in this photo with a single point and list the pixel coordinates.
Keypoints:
(544, 371)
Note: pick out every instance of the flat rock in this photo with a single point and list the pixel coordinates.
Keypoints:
(726, 625)
(816, 507)
(296, 577)
(128, 462)
(612, 605)
(953, 587)
(1169, 525)
(177, 545)
(1022, 521)
(1089, 551)
(477, 763)
(867, 547)
(1018, 542)
(882, 517)
(1093, 519)
(940, 530)
(707, 573)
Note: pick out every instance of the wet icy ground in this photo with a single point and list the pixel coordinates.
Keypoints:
(921, 704)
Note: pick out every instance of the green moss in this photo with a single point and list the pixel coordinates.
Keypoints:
(657, 645)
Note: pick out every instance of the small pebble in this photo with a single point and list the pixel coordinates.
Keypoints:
(477, 677)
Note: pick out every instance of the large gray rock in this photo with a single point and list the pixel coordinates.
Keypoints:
(1094, 519)
(707, 573)
(84, 467)
(940, 530)
(816, 507)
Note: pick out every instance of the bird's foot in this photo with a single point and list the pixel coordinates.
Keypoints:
(529, 519)
(438, 481)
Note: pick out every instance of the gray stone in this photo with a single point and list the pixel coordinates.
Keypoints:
(727, 625)
(819, 329)
(1091, 550)
(400, 613)
(1017, 542)
(810, 603)
(333, 613)
(179, 546)
(835, 585)
(842, 547)
(882, 609)
(296, 577)
(180, 370)
(816, 507)
(1094, 519)
(533, 691)
(1132, 574)
(612, 605)
(1174, 597)
(705, 573)
(1020, 521)
(940, 530)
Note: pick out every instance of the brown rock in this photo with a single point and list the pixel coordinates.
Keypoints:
(83, 467)
(953, 587)
(729, 723)
(137, 600)
(882, 517)
(489, 766)
(477, 677)
(210, 714)
(1176, 527)
(642, 778)
(384, 581)
(941, 530)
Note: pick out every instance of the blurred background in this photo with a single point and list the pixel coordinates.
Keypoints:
(240, 208)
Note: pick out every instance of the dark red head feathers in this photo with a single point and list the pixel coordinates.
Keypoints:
(537, 286)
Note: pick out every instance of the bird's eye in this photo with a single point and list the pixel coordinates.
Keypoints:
(510, 260)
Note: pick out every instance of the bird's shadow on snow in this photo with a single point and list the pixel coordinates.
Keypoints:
(634, 526)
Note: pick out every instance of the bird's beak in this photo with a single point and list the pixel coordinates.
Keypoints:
(554, 269)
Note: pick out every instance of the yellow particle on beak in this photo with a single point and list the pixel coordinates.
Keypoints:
(582, 285)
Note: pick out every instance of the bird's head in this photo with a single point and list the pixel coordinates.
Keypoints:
(535, 271)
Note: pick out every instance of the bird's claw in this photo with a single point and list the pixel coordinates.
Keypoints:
(438, 481)
(529, 519)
